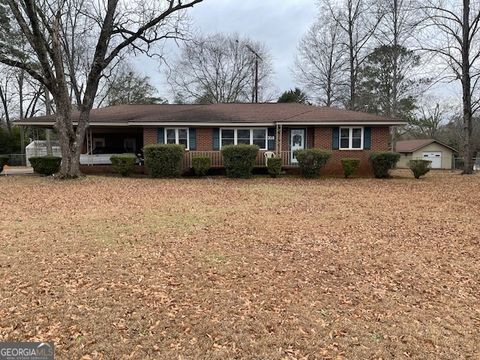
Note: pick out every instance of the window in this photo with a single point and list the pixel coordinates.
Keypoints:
(351, 138)
(244, 136)
(259, 138)
(177, 136)
(228, 137)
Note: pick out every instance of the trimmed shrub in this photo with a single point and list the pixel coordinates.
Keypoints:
(419, 167)
(124, 164)
(164, 160)
(3, 161)
(201, 165)
(382, 162)
(349, 165)
(274, 166)
(311, 161)
(45, 165)
(239, 160)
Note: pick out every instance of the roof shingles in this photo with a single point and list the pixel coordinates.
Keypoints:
(225, 113)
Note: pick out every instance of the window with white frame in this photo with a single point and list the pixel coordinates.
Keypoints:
(351, 138)
(177, 136)
(244, 136)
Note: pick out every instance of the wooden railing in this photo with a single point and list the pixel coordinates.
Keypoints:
(217, 160)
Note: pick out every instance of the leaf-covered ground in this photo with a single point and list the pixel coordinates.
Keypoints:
(111, 268)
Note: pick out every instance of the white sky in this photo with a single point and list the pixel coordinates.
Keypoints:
(279, 24)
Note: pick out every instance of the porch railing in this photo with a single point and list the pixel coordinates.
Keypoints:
(217, 160)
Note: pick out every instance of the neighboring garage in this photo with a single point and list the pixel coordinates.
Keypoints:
(439, 154)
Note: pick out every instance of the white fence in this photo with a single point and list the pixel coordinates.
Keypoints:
(39, 148)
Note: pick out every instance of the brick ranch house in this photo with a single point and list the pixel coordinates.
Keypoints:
(204, 129)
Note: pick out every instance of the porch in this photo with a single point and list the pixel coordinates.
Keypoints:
(217, 159)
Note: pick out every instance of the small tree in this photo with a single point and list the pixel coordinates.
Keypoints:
(311, 161)
(274, 166)
(239, 160)
(124, 164)
(164, 160)
(349, 166)
(419, 167)
(201, 165)
(382, 162)
(293, 96)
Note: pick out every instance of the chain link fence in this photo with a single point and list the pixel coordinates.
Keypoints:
(458, 163)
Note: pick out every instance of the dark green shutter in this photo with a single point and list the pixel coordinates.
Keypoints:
(161, 136)
(367, 138)
(216, 139)
(192, 135)
(335, 138)
(271, 143)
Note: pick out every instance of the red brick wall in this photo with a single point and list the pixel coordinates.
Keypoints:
(204, 139)
(149, 136)
(323, 140)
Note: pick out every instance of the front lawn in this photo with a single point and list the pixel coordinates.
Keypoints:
(111, 268)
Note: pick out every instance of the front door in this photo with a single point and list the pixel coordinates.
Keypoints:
(297, 142)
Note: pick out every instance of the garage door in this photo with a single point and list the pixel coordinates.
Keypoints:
(435, 158)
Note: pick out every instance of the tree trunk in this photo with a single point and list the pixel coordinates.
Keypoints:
(352, 66)
(466, 89)
(70, 137)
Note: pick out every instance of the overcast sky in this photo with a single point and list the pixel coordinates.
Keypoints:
(279, 24)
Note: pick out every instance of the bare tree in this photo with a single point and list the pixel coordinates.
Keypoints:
(19, 95)
(50, 28)
(359, 20)
(321, 62)
(451, 30)
(428, 122)
(219, 69)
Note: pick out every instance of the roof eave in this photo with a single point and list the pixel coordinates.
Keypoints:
(222, 124)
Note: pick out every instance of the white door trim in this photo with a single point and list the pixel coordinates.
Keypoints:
(299, 143)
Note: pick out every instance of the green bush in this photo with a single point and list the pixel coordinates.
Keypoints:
(201, 165)
(311, 161)
(274, 166)
(45, 165)
(164, 160)
(239, 160)
(419, 167)
(124, 164)
(3, 161)
(349, 165)
(382, 162)
(10, 141)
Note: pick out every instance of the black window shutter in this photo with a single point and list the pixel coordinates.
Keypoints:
(216, 139)
(192, 138)
(367, 138)
(335, 138)
(161, 136)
